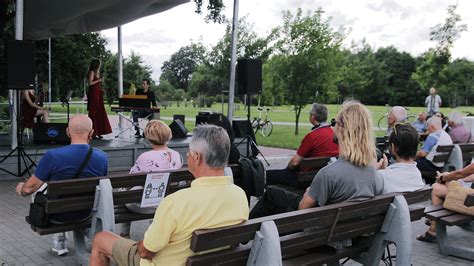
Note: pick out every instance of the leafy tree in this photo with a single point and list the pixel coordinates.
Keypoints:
(432, 69)
(306, 55)
(460, 84)
(135, 70)
(214, 7)
(179, 69)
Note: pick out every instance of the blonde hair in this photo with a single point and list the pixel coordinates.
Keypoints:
(354, 131)
(157, 132)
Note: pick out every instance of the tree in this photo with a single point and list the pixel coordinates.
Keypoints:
(460, 83)
(135, 70)
(306, 55)
(179, 69)
(433, 65)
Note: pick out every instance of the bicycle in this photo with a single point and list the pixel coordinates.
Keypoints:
(264, 125)
(383, 121)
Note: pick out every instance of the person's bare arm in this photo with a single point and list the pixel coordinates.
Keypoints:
(91, 79)
(26, 95)
(28, 188)
(143, 252)
(421, 154)
(467, 173)
(307, 201)
(294, 162)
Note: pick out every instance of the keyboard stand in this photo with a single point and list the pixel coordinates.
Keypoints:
(132, 123)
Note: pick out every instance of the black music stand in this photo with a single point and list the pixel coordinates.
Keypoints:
(20, 149)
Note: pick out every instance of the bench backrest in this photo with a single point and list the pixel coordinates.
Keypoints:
(467, 150)
(310, 167)
(78, 194)
(329, 223)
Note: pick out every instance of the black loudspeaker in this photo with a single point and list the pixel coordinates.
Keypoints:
(202, 118)
(249, 76)
(20, 59)
(180, 117)
(221, 120)
(241, 128)
(178, 129)
(50, 133)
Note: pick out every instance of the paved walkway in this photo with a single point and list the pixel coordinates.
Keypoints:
(19, 245)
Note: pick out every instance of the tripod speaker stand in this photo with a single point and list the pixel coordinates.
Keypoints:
(22, 156)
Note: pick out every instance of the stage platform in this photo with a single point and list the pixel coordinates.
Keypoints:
(122, 152)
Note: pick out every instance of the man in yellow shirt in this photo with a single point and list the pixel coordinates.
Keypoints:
(212, 201)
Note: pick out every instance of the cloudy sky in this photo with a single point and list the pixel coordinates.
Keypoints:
(404, 24)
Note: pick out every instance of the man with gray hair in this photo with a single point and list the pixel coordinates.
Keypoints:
(317, 143)
(397, 114)
(437, 136)
(458, 132)
(212, 201)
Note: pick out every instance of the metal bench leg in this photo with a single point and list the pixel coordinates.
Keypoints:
(80, 250)
(447, 248)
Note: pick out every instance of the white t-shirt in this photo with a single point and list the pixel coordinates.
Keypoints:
(401, 177)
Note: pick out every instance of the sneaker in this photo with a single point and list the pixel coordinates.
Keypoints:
(60, 252)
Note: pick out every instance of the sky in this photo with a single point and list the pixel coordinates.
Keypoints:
(404, 24)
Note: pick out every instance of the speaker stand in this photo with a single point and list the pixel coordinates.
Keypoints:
(22, 156)
(250, 137)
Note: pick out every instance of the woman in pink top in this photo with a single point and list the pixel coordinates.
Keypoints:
(160, 158)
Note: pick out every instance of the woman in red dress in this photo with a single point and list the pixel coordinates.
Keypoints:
(95, 101)
(30, 110)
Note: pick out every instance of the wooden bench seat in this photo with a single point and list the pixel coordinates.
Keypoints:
(304, 235)
(445, 217)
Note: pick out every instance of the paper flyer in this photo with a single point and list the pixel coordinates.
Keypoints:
(155, 189)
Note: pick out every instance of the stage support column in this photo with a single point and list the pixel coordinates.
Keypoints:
(120, 67)
(13, 102)
(233, 56)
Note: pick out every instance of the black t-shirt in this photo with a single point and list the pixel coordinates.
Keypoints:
(150, 95)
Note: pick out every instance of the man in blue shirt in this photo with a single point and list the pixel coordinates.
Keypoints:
(63, 163)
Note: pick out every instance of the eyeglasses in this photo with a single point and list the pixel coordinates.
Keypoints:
(396, 125)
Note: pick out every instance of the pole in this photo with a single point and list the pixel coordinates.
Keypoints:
(120, 66)
(233, 56)
(14, 96)
(49, 71)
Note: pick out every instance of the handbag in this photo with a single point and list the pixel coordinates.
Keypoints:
(456, 198)
(37, 215)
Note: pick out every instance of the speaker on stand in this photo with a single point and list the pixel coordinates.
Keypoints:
(20, 59)
(249, 79)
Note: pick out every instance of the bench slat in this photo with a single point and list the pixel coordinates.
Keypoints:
(436, 215)
(416, 212)
(418, 196)
(433, 208)
(457, 219)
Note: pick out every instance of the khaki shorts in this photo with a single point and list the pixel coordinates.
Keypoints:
(125, 252)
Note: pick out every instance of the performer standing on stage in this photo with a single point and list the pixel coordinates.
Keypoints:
(95, 101)
(145, 90)
(30, 110)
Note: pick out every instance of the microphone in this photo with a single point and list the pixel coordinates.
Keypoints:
(67, 98)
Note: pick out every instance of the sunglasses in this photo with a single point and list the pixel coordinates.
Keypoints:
(396, 126)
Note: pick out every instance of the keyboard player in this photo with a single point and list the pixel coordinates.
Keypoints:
(145, 90)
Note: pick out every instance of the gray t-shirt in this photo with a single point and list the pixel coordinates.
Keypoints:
(342, 181)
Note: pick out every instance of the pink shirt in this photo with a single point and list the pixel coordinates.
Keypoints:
(152, 161)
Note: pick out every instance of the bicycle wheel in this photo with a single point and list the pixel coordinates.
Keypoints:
(411, 118)
(382, 123)
(255, 125)
(267, 128)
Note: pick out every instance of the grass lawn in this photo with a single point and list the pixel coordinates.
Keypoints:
(282, 135)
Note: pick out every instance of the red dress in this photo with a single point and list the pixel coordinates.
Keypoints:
(28, 113)
(95, 105)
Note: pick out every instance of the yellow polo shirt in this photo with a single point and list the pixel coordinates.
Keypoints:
(210, 202)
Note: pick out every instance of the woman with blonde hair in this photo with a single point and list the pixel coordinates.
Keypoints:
(160, 158)
(352, 177)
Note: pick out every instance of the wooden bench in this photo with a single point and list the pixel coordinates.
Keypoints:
(467, 150)
(302, 237)
(107, 202)
(444, 218)
(314, 165)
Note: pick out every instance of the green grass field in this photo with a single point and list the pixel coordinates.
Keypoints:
(282, 135)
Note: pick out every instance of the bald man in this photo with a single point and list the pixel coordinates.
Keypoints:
(63, 163)
(436, 136)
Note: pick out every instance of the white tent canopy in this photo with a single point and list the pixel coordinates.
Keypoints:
(52, 18)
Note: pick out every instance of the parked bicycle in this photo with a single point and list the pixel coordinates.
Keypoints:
(383, 121)
(264, 125)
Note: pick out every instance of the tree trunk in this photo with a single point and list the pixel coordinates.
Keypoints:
(297, 118)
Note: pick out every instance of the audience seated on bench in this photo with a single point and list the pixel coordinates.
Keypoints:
(317, 143)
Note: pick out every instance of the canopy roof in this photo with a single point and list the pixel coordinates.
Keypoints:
(51, 18)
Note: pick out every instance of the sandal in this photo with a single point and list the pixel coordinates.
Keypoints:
(428, 222)
(426, 237)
